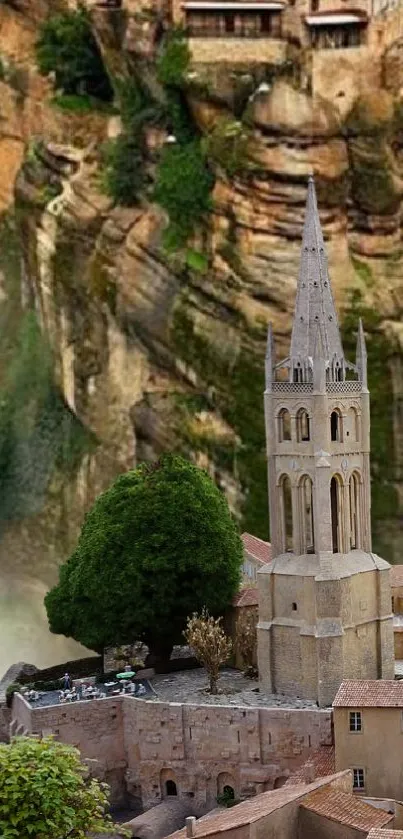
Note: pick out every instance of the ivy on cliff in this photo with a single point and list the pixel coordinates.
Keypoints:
(38, 433)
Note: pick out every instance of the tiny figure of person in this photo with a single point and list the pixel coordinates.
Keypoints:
(66, 682)
(127, 668)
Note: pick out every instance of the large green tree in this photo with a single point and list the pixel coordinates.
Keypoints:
(44, 792)
(159, 545)
(67, 48)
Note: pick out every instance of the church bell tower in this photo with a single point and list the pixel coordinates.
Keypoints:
(324, 601)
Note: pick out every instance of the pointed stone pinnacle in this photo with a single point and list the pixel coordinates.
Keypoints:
(314, 303)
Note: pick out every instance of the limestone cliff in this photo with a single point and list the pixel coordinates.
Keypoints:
(149, 354)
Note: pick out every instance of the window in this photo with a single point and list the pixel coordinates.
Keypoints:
(284, 425)
(336, 511)
(335, 427)
(354, 491)
(393, 604)
(355, 721)
(353, 425)
(286, 513)
(294, 607)
(298, 373)
(358, 779)
(303, 434)
(306, 515)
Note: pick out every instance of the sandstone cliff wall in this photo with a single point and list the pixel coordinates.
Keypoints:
(148, 354)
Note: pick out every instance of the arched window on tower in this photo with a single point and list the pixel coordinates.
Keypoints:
(354, 493)
(353, 425)
(286, 513)
(298, 372)
(336, 510)
(284, 425)
(336, 427)
(303, 429)
(306, 511)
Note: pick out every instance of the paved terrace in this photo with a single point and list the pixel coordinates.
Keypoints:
(190, 687)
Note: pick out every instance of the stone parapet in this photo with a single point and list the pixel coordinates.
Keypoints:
(139, 744)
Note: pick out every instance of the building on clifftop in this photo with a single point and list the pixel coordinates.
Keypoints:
(325, 600)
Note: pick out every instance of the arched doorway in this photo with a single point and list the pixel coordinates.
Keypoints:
(226, 786)
(168, 783)
(170, 788)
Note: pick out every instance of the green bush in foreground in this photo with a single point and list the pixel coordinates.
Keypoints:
(44, 792)
(157, 546)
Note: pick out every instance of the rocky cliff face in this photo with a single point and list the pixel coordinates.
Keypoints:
(150, 355)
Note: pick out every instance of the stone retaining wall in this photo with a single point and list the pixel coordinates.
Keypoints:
(139, 745)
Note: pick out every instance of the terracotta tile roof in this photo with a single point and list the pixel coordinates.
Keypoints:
(369, 694)
(321, 763)
(345, 808)
(396, 576)
(384, 833)
(257, 548)
(251, 810)
(246, 597)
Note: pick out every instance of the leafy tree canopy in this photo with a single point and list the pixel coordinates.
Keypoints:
(44, 792)
(159, 545)
(67, 48)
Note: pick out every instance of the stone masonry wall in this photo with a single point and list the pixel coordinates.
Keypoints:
(140, 745)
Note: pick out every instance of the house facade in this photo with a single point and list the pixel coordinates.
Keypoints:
(368, 732)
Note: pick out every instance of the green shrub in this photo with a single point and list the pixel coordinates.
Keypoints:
(227, 146)
(123, 168)
(45, 792)
(174, 59)
(80, 104)
(67, 48)
(183, 186)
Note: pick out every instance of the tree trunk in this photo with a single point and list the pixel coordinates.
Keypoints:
(159, 654)
(213, 684)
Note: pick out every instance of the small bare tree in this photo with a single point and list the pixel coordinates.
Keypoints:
(210, 644)
(246, 640)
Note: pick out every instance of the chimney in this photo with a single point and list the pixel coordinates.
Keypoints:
(190, 826)
(309, 772)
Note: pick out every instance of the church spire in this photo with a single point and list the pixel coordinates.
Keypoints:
(314, 303)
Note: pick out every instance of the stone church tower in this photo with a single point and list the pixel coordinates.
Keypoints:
(325, 600)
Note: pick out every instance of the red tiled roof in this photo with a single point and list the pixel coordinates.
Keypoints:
(321, 763)
(396, 576)
(257, 548)
(369, 694)
(251, 810)
(345, 808)
(246, 597)
(385, 833)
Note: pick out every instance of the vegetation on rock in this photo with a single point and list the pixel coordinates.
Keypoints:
(174, 59)
(227, 146)
(67, 48)
(183, 188)
(158, 545)
(209, 643)
(45, 791)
